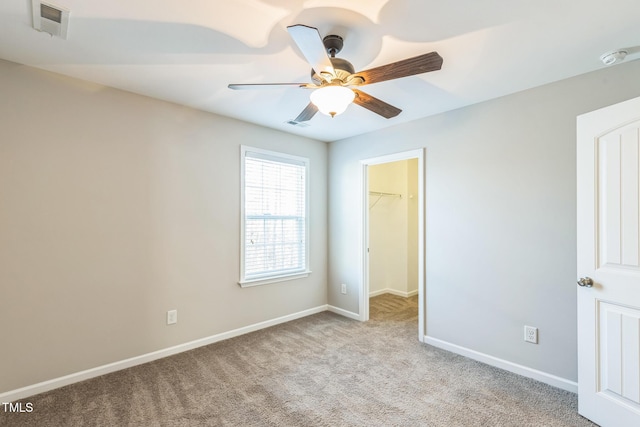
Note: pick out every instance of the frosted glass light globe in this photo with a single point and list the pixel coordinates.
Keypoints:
(332, 100)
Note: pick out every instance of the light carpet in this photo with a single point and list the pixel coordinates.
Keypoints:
(322, 370)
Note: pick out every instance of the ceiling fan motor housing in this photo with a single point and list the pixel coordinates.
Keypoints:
(342, 67)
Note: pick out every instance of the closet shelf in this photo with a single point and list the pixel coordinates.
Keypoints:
(380, 195)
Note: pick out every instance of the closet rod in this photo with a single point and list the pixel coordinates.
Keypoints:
(379, 193)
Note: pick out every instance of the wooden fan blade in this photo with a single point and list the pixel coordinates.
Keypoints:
(407, 67)
(268, 85)
(309, 111)
(374, 104)
(310, 44)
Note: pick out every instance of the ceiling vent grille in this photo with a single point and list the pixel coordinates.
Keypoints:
(299, 124)
(49, 18)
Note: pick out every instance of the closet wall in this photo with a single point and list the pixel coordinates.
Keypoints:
(393, 228)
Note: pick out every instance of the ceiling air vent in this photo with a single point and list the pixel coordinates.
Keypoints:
(299, 124)
(50, 19)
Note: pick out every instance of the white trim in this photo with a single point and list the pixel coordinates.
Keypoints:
(342, 312)
(364, 257)
(44, 386)
(525, 371)
(274, 279)
(363, 303)
(393, 292)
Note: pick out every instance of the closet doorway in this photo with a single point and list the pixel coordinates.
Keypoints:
(393, 217)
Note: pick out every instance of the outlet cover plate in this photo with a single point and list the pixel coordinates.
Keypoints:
(531, 334)
(172, 317)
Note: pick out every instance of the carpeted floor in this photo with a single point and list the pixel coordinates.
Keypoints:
(323, 370)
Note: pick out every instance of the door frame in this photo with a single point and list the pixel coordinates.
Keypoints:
(418, 154)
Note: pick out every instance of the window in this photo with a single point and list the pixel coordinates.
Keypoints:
(274, 239)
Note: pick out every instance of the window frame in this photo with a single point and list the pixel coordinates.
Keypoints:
(282, 158)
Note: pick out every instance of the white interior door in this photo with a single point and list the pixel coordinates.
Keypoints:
(608, 188)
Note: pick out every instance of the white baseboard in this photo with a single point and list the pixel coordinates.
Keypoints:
(345, 313)
(544, 377)
(393, 292)
(44, 386)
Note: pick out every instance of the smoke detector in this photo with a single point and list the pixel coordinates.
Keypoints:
(49, 18)
(613, 57)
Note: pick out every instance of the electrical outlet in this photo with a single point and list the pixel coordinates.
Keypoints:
(344, 288)
(172, 317)
(531, 334)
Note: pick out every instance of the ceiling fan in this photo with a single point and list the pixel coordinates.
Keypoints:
(334, 80)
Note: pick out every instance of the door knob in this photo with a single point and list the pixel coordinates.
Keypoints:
(585, 282)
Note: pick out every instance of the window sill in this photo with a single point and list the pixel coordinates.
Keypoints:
(273, 279)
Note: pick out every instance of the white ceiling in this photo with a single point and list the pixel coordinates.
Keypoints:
(188, 51)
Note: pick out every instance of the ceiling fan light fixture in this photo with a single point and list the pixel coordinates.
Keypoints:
(332, 100)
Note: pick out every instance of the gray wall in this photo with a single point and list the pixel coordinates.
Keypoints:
(500, 220)
(115, 208)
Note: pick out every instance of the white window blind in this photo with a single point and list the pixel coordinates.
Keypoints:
(274, 215)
